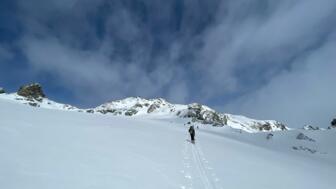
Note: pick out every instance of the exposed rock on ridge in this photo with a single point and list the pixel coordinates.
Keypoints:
(32, 91)
(136, 106)
(2, 90)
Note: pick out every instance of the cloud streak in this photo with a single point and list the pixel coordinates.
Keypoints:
(248, 57)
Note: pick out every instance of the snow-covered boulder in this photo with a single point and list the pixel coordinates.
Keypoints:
(269, 136)
(333, 123)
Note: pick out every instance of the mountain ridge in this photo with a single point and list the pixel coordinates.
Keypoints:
(194, 113)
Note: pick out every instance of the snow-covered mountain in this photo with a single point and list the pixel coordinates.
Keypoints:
(69, 149)
(135, 106)
(196, 112)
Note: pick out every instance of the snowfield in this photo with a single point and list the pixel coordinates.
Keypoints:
(46, 148)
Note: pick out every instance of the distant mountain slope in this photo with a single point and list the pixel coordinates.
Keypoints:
(135, 106)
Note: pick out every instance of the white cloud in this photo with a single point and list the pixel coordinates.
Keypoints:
(277, 55)
(302, 95)
(267, 51)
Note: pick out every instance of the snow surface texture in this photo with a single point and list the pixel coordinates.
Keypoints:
(43, 103)
(48, 148)
(135, 106)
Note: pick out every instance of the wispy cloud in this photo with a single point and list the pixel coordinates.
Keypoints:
(302, 95)
(252, 57)
(271, 55)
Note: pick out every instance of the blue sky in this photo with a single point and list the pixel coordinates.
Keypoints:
(265, 59)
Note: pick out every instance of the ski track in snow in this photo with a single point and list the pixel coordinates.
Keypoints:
(197, 171)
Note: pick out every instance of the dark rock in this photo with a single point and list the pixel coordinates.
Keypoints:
(107, 111)
(265, 127)
(304, 149)
(268, 127)
(152, 108)
(131, 112)
(310, 127)
(333, 123)
(33, 104)
(194, 110)
(137, 105)
(69, 107)
(200, 114)
(302, 136)
(281, 126)
(89, 111)
(30, 99)
(269, 136)
(2, 90)
(212, 118)
(32, 91)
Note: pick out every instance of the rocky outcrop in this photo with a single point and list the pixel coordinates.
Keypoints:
(34, 104)
(2, 90)
(138, 105)
(310, 128)
(268, 126)
(107, 111)
(89, 111)
(131, 112)
(333, 123)
(303, 148)
(214, 118)
(152, 108)
(269, 136)
(265, 127)
(32, 91)
(302, 136)
(203, 114)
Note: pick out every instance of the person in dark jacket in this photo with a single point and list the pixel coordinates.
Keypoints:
(192, 133)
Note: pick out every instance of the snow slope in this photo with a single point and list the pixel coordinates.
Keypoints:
(43, 103)
(136, 106)
(49, 148)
